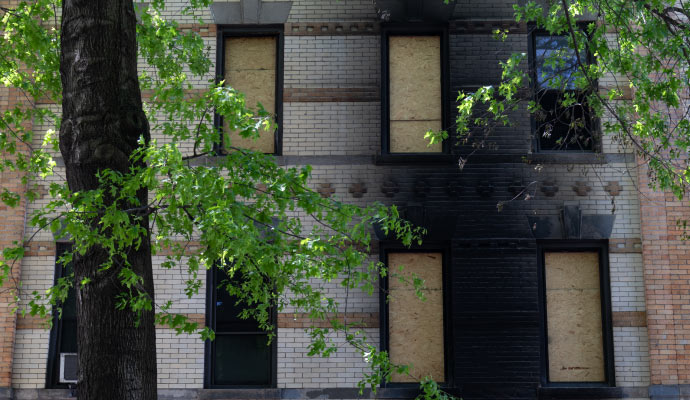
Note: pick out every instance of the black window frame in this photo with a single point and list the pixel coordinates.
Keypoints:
(386, 248)
(592, 123)
(56, 332)
(211, 284)
(600, 246)
(414, 29)
(268, 30)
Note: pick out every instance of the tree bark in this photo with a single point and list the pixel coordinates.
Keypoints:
(102, 119)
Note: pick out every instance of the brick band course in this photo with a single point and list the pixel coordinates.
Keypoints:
(629, 318)
(285, 320)
(361, 94)
(331, 28)
(368, 320)
(632, 245)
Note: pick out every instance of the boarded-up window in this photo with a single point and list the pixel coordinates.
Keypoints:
(573, 314)
(250, 67)
(414, 92)
(415, 327)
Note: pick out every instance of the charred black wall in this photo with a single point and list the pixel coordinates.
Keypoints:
(484, 213)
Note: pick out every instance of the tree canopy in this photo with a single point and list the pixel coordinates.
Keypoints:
(126, 187)
(620, 68)
(625, 62)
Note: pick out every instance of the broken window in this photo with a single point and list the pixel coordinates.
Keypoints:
(562, 116)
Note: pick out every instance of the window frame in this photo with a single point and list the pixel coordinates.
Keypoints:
(534, 86)
(211, 285)
(53, 361)
(416, 29)
(601, 247)
(269, 30)
(428, 247)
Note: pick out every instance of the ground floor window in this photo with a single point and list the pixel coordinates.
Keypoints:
(577, 321)
(62, 356)
(241, 354)
(415, 328)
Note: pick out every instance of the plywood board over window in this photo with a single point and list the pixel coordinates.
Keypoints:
(414, 92)
(574, 321)
(415, 327)
(250, 67)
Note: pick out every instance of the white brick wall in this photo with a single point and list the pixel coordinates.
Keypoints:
(331, 61)
(180, 360)
(331, 128)
(37, 275)
(297, 370)
(631, 354)
(30, 358)
(351, 301)
(323, 11)
(170, 285)
(196, 82)
(627, 282)
(598, 201)
(173, 10)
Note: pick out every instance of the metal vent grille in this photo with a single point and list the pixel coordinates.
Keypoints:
(69, 367)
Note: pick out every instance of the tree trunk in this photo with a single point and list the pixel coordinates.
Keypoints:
(102, 119)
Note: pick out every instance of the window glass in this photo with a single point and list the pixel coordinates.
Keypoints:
(556, 62)
(227, 311)
(240, 354)
(64, 332)
(242, 359)
(68, 325)
(563, 117)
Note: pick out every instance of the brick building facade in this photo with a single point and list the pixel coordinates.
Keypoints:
(509, 276)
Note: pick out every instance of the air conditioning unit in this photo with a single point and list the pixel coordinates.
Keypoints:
(69, 367)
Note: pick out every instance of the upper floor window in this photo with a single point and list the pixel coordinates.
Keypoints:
(414, 89)
(252, 64)
(563, 119)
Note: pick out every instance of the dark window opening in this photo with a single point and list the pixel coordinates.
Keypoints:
(563, 118)
(62, 356)
(240, 355)
(564, 121)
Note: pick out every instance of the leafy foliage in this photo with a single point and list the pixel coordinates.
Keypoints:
(246, 214)
(641, 57)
